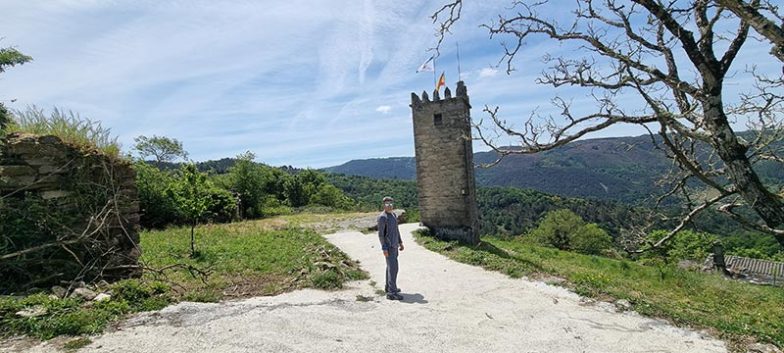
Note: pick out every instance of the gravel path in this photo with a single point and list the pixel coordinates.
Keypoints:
(448, 307)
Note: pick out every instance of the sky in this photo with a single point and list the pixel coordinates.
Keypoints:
(301, 83)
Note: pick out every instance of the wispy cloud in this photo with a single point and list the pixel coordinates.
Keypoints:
(298, 82)
(487, 72)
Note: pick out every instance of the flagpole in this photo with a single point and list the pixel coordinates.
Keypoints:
(459, 76)
(435, 81)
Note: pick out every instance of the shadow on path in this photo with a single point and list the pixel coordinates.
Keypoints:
(415, 298)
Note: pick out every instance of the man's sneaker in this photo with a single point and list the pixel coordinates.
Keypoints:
(394, 296)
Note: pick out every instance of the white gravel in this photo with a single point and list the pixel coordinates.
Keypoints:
(448, 307)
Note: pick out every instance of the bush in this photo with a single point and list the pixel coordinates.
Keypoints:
(565, 230)
(247, 179)
(329, 195)
(157, 207)
(590, 239)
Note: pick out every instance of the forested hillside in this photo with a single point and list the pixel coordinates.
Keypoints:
(624, 169)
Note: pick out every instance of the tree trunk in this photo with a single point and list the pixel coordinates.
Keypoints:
(193, 241)
(766, 204)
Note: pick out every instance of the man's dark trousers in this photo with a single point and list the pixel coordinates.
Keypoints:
(391, 285)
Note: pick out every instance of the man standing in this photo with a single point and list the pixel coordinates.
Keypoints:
(389, 236)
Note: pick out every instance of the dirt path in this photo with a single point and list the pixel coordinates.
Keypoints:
(448, 307)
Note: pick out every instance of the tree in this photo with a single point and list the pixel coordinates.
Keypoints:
(192, 196)
(591, 239)
(247, 180)
(163, 148)
(754, 14)
(565, 230)
(673, 58)
(9, 57)
(556, 229)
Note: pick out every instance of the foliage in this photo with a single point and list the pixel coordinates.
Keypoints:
(9, 57)
(368, 192)
(69, 126)
(164, 149)
(248, 179)
(591, 239)
(686, 245)
(687, 298)
(329, 195)
(158, 209)
(191, 195)
(565, 230)
(72, 316)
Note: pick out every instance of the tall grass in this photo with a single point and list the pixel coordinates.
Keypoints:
(69, 126)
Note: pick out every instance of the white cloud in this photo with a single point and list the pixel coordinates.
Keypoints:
(487, 72)
(383, 109)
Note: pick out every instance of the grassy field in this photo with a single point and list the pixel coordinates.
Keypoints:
(735, 310)
(263, 257)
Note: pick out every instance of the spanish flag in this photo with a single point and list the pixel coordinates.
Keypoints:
(441, 81)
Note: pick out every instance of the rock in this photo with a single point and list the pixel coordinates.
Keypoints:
(623, 304)
(102, 297)
(83, 293)
(35, 311)
(60, 292)
(762, 348)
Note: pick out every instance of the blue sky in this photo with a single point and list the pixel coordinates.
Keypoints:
(302, 83)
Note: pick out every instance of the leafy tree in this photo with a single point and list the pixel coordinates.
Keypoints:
(295, 192)
(673, 58)
(565, 230)
(9, 57)
(556, 229)
(162, 148)
(247, 179)
(191, 193)
(329, 195)
(590, 239)
(157, 205)
(687, 245)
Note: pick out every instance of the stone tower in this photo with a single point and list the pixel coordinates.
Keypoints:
(445, 164)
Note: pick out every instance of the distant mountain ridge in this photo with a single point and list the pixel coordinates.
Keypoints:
(625, 169)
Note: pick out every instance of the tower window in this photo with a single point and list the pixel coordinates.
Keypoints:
(437, 119)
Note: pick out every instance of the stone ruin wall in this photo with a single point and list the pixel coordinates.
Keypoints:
(445, 166)
(46, 167)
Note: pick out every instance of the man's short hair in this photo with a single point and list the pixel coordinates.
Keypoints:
(387, 199)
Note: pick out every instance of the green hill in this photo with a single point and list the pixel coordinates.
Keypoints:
(623, 169)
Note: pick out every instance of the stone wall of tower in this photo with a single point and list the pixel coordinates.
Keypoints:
(444, 164)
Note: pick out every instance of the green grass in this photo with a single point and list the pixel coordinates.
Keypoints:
(73, 316)
(235, 260)
(245, 259)
(734, 309)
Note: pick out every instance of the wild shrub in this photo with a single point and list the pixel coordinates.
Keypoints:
(563, 229)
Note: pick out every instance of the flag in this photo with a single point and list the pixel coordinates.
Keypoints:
(427, 65)
(441, 81)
